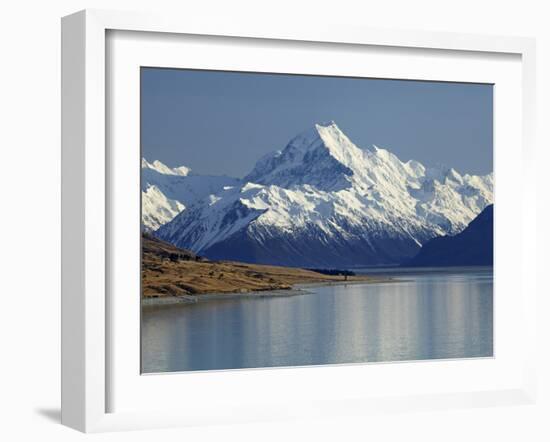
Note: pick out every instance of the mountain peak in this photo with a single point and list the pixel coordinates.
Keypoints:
(330, 123)
(331, 129)
(322, 156)
(160, 167)
(313, 134)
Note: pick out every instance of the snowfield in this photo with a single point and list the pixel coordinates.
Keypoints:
(321, 201)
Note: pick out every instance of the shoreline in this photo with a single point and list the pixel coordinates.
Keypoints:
(206, 297)
(370, 280)
(295, 290)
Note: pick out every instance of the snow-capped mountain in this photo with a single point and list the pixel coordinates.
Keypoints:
(166, 191)
(323, 201)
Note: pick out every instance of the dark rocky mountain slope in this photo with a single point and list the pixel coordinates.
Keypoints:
(472, 247)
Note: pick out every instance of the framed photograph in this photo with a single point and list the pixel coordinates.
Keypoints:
(265, 222)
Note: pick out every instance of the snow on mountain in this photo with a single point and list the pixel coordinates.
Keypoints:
(165, 191)
(162, 168)
(157, 209)
(322, 156)
(323, 201)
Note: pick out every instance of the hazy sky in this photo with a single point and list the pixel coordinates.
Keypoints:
(222, 122)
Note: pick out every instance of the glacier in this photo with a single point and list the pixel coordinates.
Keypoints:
(322, 201)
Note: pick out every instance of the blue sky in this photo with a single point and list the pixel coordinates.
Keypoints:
(222, 122)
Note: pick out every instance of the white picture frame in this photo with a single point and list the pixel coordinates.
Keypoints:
(85, 201)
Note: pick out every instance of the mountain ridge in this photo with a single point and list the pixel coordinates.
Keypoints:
(323, 201)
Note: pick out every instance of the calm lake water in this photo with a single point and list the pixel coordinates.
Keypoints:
(423, 314)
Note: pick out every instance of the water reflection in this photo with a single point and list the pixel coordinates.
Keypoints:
(425, 315)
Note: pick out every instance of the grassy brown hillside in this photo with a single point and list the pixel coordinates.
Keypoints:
(169, 271)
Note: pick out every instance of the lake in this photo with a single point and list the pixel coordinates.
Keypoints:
(422, 314)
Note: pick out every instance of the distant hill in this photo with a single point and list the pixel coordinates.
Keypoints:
(472, 247)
